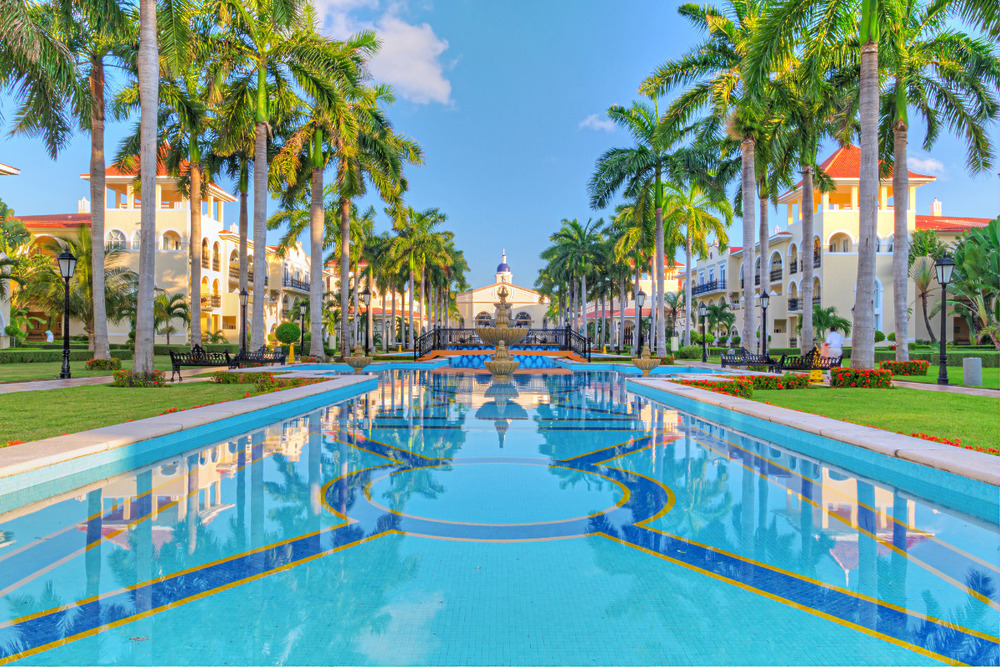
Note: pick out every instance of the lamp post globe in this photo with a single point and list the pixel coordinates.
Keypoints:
(944, 268)
(640, 299)
(67, 267)
(765, 298)
(702, 312)
(366, 298)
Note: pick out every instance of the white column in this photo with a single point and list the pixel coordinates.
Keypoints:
(130, 196)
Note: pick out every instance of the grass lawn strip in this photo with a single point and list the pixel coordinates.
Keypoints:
(956, 377)
(44, 414)
(970, 419)
(49, 370)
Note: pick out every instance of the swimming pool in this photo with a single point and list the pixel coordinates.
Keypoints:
(444, 519)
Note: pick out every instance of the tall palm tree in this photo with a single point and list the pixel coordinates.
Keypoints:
(634, 230)
(940, 72)
(924, 280)
(576, 245)
(717, 68)
(637, 168)
(417, 243)
(700, 215)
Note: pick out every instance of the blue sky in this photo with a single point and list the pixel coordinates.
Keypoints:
(507, 99)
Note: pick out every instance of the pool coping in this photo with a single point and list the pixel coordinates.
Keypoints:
(37, 454)
(968, 463)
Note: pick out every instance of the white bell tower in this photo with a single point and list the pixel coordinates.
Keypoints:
(503, 274)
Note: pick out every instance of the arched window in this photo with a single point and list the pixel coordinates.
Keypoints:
(216, 259)
(136, 239)
(114, 240)
(840, 242)
(484, 319)
(889, 243)
(171, 240)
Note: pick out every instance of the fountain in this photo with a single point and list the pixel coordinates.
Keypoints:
(645, 363)
(357, 361)
(502, 336)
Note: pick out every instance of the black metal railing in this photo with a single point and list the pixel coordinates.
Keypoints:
(816, 262)
(710, 286)
(793, 342)
(775, 275)
(211, 301)
(295, 283)
(466, 339)
(793, 268)
(793, 303)
(204, 261)
(216, 264)
(816, 301)
(756, 279)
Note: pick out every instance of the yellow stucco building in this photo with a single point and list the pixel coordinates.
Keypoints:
(528, 307)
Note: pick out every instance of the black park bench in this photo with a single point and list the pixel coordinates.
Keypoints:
(260, 356)
(196, 357)
(744, 357)
(810, 361)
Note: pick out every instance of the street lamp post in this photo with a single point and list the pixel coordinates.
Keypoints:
(702, 312)
(302, 328)
(67, 266)
(765, 298)
(944, 268)
(640, 299)
(244, 295)
(366, 298)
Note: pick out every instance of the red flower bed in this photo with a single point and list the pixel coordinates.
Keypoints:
(905, 367)
(849, 377)
(744, 385)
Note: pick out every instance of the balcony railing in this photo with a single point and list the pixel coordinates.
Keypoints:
(793, 303)
(216, 265)
(793, 342)
(775, 275)
(710, 286)
(756, 279)
(211, 301)
(816, 301)
(794, 268)
(816, 262)
(295, 284)
(204, 261)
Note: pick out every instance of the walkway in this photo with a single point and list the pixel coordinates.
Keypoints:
(949, 389)
(40, 385)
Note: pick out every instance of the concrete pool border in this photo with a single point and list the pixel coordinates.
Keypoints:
(967, 463)
(38, 454)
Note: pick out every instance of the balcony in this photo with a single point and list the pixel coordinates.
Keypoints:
(794, 268)
(710, 286)
(756, 280)
(793, 342)
(794, 303)
(211, 301)
(816, 263)
(816, 301)
(301, 285)
(204, 261)
(776, 275)
(216, 266)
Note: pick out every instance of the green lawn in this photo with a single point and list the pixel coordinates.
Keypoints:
(33, 415)
(49, 370)
(991, 377)
(972, 419)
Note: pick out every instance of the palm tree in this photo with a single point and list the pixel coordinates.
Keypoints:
(635, 242)
(170, 307)
(638, 168)
(416, 244)
(700, 215)
(720, 318)
(939, 72)
(675, 304)
(576, 247)
(718, 69)
(825, 319)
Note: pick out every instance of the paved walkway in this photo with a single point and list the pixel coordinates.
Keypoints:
(950, 389)
(40, 385)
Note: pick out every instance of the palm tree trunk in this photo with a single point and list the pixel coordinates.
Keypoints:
(623, 299)
(243, 186)
(148, 62)
(901, 239)
(863, 331)
(317, 228)
(747, 147)
(638, 311)
(661, 329)
(583, 303)
(927, 320)
(345, 274)
(423, 296)
(807, 251)
(357, 315)
(409, 333)
(257, 339)
(100, 346)
(393, 314)
(765, 247)
(689, 288)
(369, 331)
(195, 255)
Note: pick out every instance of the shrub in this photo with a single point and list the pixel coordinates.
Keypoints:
(879, 336)
(918, 367)
(735, 340)
(741, 386)
(689, 352)
(104, 364)
(288, 333)
(892, 336)
(27, 356)
(849, 377)
(229, 377)
(265, 383)
(667, 360)
(129, 378)
(786, 381)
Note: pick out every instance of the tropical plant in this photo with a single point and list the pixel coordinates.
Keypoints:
(416, 244)
(924, 280)
(825, 319)
(720, 318)
(214, 337)
(170, 307)
(976, 280)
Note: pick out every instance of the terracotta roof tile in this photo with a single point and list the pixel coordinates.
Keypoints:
(55, 221)
(846, 163)
(951, 224)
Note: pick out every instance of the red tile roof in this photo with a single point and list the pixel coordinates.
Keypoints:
(846, 163)
(56, 221)
(950, 224)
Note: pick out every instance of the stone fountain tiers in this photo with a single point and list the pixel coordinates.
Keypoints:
(501, 336)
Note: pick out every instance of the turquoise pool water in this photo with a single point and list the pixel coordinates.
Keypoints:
(560, 519)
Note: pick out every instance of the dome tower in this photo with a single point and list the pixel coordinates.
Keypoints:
(503, 274)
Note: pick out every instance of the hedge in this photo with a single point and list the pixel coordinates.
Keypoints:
(76, 345)
(15, 356)
(209, 347)
(848, 377)
(991, 358)
(913, 367)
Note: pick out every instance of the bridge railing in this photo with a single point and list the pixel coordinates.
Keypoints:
(467, 339)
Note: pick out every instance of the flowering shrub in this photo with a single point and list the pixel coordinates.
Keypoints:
(228, 377)
(786, 381)
(12, 442)
(266, 383)
(905, 367)
(741, 386)
(850, 377)
(128, 378)
(104, 364)
(309, 360)
(667, 360)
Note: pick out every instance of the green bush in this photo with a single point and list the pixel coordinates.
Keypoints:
(28, 356)
(991, 358)
(892, 336)
(104, 364)
(849, 377)
(879, 336)
(689, 352)
(228, 377)
(288, 333)
(905, 367)
(128, 378)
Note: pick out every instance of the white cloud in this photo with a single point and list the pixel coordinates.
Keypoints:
(924, 165)
(596, 122)
(410, 57)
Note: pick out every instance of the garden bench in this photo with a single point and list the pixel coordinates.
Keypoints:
(810, 361)
(744, 357)
(259, 356)
(196, 357)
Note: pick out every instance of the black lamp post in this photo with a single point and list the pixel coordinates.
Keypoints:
(702, 312)
(765, 298)
(640, 299)
(366, 298)
(302, 328)
(944, 268)
(244, 295)
(67, 266)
